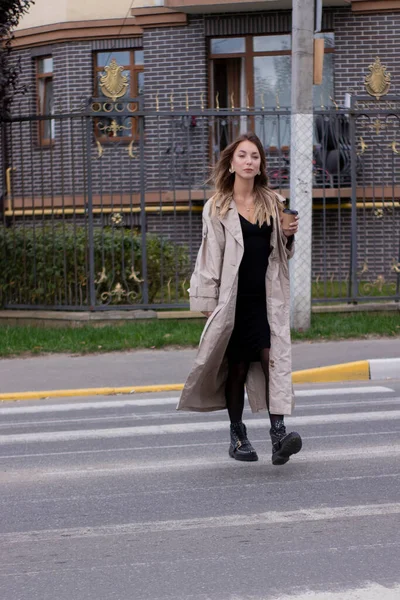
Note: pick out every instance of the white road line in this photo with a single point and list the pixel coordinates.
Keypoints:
(326, 436)
(236, 520)
(185, 428)
(371, 592)
(69, 407)
(169, 466)
(180, 415)
(344, 391)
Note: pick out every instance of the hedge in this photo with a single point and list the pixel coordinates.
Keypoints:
(50, 266)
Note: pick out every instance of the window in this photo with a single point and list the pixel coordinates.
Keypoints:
(256, 71)
(132, 70)
(45, 97)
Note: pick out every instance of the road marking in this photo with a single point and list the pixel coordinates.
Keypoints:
(326, 436)
(141, 466)
(181, 415)
(185, 428)
(372, 592)
(344, 391)
(235, 520)
(171, 401)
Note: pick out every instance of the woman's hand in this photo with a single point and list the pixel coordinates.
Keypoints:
(207, 314)
(293, 228)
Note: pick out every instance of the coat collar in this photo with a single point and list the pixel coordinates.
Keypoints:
(231, 222)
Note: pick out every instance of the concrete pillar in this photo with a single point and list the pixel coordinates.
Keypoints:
(301, 155)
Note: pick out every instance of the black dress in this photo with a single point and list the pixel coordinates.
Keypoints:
(251, 331)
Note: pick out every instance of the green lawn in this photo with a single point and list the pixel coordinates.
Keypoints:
(184, 333)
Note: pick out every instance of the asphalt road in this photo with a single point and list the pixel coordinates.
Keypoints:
(149, 367)
(124, 499)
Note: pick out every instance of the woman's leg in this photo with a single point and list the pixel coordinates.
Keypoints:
(240, 447)
(234, 389)
(283, 444)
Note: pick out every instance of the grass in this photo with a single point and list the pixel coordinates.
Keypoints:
(340, 289)
(16, 340)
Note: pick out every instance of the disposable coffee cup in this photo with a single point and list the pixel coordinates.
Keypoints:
(288, 217)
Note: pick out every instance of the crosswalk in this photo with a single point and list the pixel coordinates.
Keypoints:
(112, 498)
(54, 422)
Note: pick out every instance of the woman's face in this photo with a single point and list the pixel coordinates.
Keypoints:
(246, 160)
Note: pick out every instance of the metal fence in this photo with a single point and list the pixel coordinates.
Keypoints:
(106, 212)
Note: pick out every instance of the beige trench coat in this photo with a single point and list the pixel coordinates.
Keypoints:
(213, 287)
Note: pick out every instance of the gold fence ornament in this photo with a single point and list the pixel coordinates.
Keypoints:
(113, 84)
(363, 147)
(335, 104)
(135, 275)
(102, 276)
(118, 293)
(377, 82)
(131, 150)
(395, 266)
(100, 149)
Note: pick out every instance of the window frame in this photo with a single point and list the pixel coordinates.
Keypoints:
(48, 75)
(134, 71)
(248, 55)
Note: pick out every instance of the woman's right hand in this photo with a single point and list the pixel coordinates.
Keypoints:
(207, 314)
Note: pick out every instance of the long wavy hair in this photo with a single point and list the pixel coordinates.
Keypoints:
(265, 199)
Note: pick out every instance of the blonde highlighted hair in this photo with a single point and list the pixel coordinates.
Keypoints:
(265, 199)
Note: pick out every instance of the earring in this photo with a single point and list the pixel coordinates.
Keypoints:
(231, 169)
(259, 173)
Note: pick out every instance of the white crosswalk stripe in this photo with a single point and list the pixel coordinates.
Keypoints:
(87, 481)
(172, 401)
(188, 428)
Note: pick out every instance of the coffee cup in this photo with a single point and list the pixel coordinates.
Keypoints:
(288, 217)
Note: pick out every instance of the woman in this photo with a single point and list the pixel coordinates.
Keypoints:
(241, 283)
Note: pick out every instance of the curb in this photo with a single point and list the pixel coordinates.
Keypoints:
(362, 370)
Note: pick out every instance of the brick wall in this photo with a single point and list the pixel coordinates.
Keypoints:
(377, 243)
(175, 64)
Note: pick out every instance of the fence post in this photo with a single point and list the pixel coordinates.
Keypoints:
(142, 176)
(353, 241)
(301, 156)
(89, 207)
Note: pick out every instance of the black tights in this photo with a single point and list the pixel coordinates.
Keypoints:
(234, 390)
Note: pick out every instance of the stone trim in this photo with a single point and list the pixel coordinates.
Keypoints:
(375, 6)
(158, 17)
(75, 31)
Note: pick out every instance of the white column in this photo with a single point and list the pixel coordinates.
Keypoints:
(301, 155)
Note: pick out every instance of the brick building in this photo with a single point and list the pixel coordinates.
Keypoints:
(187, 56)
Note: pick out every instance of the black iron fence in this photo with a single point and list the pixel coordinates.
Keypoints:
(106, 212)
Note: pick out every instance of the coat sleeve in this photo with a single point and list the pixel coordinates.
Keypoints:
(289, 245)
(206, 278)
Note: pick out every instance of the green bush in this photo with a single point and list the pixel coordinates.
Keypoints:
(49, 265)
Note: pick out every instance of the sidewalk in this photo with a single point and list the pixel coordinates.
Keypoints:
(154, 367)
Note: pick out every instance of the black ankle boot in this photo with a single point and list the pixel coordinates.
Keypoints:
(283, 444)
(240, 448)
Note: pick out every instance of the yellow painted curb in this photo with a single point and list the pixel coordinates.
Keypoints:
(106, 391)
(354, 371)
